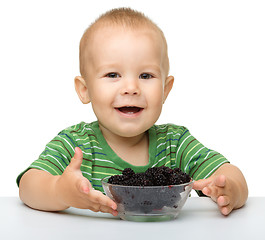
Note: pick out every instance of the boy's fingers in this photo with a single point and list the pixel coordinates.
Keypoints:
(207, 191)
(223, 201)
(214, 187)
(214, 191)
(220, 181)
(108, 210)
(84, 186)
(226, 210)
(99, 198)
(77, 159)
(202, 183)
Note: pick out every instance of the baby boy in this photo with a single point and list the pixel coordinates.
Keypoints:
(124, 70)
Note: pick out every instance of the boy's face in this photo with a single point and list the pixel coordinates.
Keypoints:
(125, 79)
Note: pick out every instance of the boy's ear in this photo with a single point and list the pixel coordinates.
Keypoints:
(81, 89)
(168, 86)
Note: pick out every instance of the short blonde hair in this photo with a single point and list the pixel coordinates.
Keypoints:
(125, 17)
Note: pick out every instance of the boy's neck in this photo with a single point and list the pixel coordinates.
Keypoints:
(134, 150)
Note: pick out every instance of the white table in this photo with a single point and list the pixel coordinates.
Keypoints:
(199, 219)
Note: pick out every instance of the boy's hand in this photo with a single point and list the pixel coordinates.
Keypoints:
(72, 189)
(227, 187)
(221, 189)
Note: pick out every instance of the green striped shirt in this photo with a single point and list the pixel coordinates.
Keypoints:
(169, 145)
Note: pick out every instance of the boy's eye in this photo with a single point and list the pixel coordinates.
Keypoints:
(145, 76)
(112, 75)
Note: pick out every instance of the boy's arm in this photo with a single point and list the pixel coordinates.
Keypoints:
(41, 190)
(227, 187)
(36, 189)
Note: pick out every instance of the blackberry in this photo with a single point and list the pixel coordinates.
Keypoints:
(128, 172)
(116, 179)
(160, 180)
(177, 170)
(150, 172)
(168, 172)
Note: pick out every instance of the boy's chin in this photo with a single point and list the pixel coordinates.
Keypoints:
(128, 132)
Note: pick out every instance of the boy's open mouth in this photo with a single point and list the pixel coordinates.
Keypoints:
(129, 109)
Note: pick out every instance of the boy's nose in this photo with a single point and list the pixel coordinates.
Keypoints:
(130, 87)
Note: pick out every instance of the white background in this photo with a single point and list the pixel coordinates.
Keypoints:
(217, 55)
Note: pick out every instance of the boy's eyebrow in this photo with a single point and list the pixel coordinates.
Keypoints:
(104, 66)
(156, 67)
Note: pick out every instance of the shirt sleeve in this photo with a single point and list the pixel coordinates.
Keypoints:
(56, 155)
(195, 159)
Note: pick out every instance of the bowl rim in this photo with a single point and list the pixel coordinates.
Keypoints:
(104, 181)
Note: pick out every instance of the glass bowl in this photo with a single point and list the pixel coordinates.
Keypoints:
(148, 203)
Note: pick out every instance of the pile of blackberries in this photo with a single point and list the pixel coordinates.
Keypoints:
(156, 176)
(146, 199)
